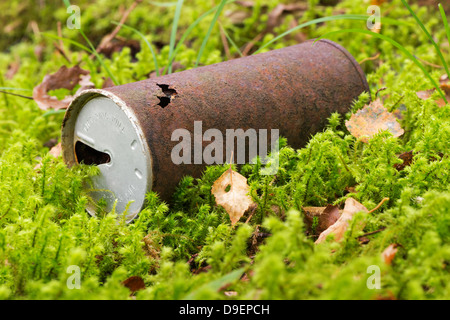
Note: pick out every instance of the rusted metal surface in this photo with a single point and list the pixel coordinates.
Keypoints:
(294, 89)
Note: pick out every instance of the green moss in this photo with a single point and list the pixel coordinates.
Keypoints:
(44, 228)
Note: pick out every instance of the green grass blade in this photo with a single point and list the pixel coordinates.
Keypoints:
(75, 43)
(173, 34)
(93, 51)
(54, 112)
(444, 19)
(231, 40)
(424, 29)
(146, 42)
(187, 32)
(396, 44)
(332, 18)
(208, 33)
(100, 59)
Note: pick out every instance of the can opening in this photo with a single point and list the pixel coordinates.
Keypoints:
(88, 155)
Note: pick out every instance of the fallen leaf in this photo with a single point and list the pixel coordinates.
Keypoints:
(66, 78)
(236, 200)
(85, 83)
(444, 86)
(116, 45)
(326, 216)
(56, 150)
(389, 253)
(12, 69)
(107, 83)
(351, 207)
(372, 119)
(134, 283)
(407, 158)
(273, 19)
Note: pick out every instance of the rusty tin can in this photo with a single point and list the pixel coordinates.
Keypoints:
(127, 130)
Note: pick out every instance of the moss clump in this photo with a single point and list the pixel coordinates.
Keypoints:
(190, 249)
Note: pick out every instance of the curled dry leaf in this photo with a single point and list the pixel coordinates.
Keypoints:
(445, 87)
(55, 151)
(326, 216)
(351, 207)
(407, 158)
(134, 283)
(66, 78)
(236, 200)
(389, 253)
(371, 119)
(273, 19)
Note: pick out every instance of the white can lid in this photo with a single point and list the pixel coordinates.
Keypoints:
(101, 130)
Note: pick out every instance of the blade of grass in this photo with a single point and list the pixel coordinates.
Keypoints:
(394, 43)
(231, 40)
(173, 34)
(54, 112)
(332, 18)
(208, 33)
(99, 58)
(444, 19)
(188, 31)
(424, 29)
(75, 43)
(93, 51)
(146, 42)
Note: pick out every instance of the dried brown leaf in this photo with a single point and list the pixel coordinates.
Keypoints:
(66, 78)
(351, 207)
(273, 19)
(407, 158)
(445, 87)
(56, 150)
(236, 200)
(370, 120)
(134, 283)
(326, 216)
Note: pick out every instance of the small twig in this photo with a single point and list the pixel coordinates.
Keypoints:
(116, 30)
(398, 101)
(370, 58)
(62, 52)
(379, 205)
(250, 45)
(60, 46)
(372, 232)
(379, 90)
(18, 95)
(430, 64)
(226, 48)
(251, 213)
